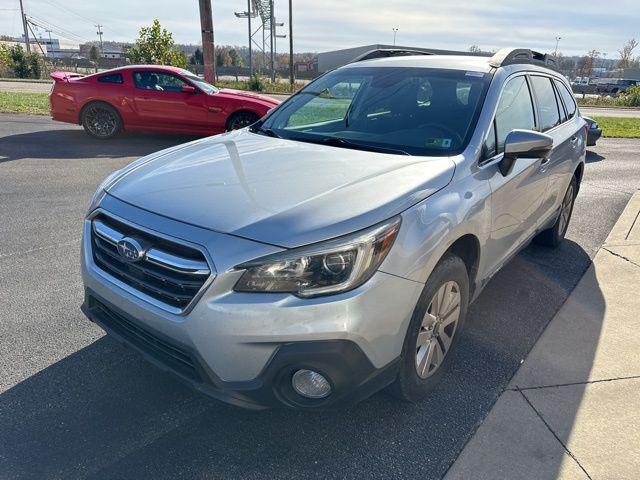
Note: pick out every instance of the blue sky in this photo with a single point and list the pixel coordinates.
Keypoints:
(330, 24)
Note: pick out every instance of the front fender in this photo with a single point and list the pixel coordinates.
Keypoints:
(430, 227)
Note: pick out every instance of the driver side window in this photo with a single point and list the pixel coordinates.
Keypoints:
(163, 82)
(515, 111)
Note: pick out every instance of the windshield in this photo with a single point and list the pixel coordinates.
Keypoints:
(206, 87)
(416, 111)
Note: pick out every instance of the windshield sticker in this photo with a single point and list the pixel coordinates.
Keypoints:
(438, 143)
(474, 74)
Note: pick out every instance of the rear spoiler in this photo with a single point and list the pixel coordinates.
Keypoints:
(64, 76)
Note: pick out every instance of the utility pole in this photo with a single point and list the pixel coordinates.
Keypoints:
(50, 41)
(395, 31)
(26, 29)
(248, 15)
(272, 24)
(555, 54)
(208, 50)
(99, 33)
(250, 39)
(292, 78)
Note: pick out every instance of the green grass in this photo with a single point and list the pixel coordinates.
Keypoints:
(27, 103)
(619, 127)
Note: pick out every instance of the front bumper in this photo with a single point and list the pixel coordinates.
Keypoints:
(352, 376)
(593, 135)
(243, 348)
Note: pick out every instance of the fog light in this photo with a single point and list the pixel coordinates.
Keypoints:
(310, 384)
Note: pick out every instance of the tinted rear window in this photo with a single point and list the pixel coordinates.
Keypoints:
(546, 101)
(111, 78)
(567, 98)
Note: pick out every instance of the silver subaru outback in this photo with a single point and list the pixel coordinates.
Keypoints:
(332, 249)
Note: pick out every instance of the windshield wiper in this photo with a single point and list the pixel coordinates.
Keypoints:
(264, 131)
(343, 142)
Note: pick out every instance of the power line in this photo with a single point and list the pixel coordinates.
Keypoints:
(47, 25)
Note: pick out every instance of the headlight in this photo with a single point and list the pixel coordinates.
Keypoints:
(102, 190)
(325, 268)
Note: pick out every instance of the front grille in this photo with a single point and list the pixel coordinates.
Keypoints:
(169, 272)
(167, 353)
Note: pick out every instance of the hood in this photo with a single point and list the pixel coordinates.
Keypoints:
(246, 94)
(278, 191)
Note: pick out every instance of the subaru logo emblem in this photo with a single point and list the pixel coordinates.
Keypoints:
(130, 249)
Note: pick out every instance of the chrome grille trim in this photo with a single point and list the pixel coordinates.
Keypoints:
(155, 255)
(169, 280)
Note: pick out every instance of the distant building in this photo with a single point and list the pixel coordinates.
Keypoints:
(65, 53)
(112, 54)
(336, 58)
(34, 48)
(631, 73)
(306, 67)
(49, 43)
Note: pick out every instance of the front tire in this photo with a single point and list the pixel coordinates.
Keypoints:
(433, 330)
(554, 235)
(101, 120)
(241, 119)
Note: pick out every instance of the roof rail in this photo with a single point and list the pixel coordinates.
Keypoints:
(388, 52)
(518, 56)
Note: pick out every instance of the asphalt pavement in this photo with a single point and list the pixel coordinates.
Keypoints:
(76, 404)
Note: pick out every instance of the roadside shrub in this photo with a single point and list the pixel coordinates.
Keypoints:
(23, 65)
(630, 98)
(257, 83)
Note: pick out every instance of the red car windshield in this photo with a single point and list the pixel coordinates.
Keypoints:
(200, 83)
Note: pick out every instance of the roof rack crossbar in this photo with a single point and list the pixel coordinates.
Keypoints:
(515, 56)
(388, 52)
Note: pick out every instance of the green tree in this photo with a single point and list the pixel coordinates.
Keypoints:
(222, 57)
(196, 58)
(236, 59)
(36, 65)
(155, 45)
(19, 62)
(5, 61)
(94, 56)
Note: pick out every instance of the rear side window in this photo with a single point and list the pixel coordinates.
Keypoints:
(567, 98)
(561, 109)
(111, 78)
(515, 111)
(546, 101)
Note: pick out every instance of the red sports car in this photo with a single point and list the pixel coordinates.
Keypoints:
(151, 98)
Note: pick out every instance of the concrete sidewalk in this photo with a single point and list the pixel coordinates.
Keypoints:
(572, 410)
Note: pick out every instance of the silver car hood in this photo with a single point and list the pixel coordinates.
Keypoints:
(277, 191)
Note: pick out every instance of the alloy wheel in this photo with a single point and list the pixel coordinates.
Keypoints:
(100, 122)
(242, 121)
(438, 328)
(565, 210)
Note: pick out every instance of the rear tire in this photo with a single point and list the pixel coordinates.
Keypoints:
(553, 236)
(101, 120)
(433, 331)
(241, 119)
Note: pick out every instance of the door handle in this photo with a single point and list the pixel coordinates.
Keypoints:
(574, 139)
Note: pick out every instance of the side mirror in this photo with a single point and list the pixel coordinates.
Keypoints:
(188, 89)
(525, 144)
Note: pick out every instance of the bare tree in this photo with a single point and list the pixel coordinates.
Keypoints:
(587, 63)
(474, 49)
(626, 54)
